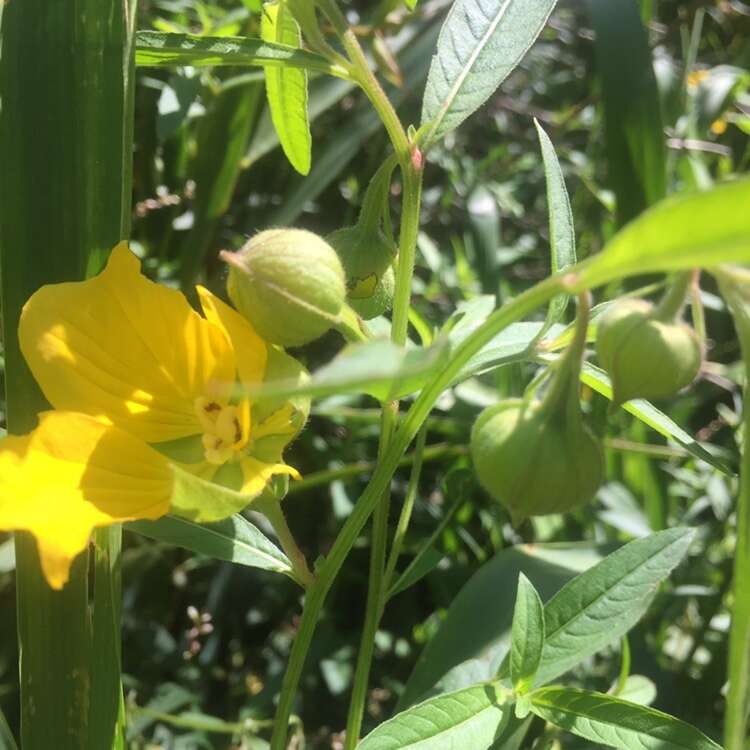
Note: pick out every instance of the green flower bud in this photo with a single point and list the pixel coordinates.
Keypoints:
(288, 283)
(537, 457)
(646, 356)
(366, 255)
(534, 460)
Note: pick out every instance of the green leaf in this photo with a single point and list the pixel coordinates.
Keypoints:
(527, 635)
(471, 718)
(512, 345)
(561, 228)
(160, 49)
(204, 502)
(233, 540)
(286, 88)
(634, 133)
(7, 741)
(602, 604)
(363, 122)
(646, 412)
(484, 608)
(65, 123)
(693, 230)
(378, 368)
(638, 689)
(611, 721)
(480, 43)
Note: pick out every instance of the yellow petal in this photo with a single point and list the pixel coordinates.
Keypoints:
(122, 347)
(256, 474)
(281, 422)
(250, 350)
(72, 474)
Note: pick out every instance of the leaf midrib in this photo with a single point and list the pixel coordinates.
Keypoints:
(580, 613)
(448, 101)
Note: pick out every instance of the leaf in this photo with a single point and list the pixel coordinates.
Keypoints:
(512, 345)
(363, 122)
(527, 635)
(598, 380)
(160, 49)
(286, 89)
(378, 368)
(611, 721)
(471, 718)
(561, 228)
(602, 604)
(7, 741)
(233, 540)
(480, 43)
(691, 230)
(427, 560)
(484, 608)
(638, 689)
(633, 128)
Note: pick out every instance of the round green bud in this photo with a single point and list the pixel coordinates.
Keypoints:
(646, 357)
(535, 461)
(288, 283)
(366, 256)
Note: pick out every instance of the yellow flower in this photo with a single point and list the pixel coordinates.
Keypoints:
(144, 415)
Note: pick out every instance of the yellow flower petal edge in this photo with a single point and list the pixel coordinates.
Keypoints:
(250, 350)
(72, 474)
(122, 347)
(256, 474)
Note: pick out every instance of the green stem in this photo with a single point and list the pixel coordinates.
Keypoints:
(272, 510)
(671, 304)
(511, 312)
(375, 590)
(407, 508)
(735, 287)
(433, 453)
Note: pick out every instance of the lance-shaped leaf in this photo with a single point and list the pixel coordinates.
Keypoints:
(471, 718)
(286, 88)
(611, 721)
(480, 43)
(378, 367)
(602, 604)
(233, 540)
(561, 230)
(161, 49)
(527, 635)
(692, 230)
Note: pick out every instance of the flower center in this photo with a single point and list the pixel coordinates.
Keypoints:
(226, 429)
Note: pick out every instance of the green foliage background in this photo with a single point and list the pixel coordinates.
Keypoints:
(209, 172)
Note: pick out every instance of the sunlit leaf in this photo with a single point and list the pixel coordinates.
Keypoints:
(157, 49)
(527, 635)
(561, 228)
(471, 718)
(286, 88)
(233, 540)
(602, 604)
(480, 43)
(691, 230)
(614, 722)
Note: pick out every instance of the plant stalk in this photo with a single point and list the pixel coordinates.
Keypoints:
(735, 288)
(511, 312)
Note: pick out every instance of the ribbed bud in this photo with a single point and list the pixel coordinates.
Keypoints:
(366, 255)
(646, 357)
(535, 460)
(288, 283)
